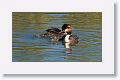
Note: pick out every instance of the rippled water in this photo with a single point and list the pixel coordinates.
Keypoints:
(27, 48)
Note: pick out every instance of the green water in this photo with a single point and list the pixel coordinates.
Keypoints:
(26, 48)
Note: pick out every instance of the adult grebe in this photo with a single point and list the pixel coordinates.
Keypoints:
(56, 34)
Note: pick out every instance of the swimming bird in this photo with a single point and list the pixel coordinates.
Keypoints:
(56, 34)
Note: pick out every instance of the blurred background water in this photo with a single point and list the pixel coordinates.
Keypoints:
(26, 48)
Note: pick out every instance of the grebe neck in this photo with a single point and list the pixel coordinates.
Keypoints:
(67, 38)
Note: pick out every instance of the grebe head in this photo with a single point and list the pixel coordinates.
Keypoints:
(67, 28)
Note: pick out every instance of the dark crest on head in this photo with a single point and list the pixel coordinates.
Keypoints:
(65, 26)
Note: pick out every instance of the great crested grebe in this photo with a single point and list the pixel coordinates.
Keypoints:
(56, 34)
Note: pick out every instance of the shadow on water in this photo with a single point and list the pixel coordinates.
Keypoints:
(26, 48)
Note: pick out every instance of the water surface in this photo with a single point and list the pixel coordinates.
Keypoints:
(26, 48)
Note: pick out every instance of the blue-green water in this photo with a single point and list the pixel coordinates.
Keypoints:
(26, 48)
